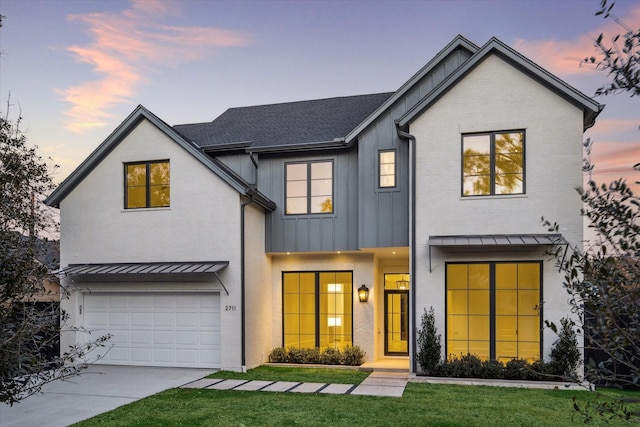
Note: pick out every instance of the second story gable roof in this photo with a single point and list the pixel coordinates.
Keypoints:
(120, 133)
(283, 126)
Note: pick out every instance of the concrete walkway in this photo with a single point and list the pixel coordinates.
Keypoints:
(389, 384)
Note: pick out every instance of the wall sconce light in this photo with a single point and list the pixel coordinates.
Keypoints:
(363, 293)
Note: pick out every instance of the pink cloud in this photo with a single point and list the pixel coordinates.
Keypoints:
(607, 128)
(563, 57)
(124, 48)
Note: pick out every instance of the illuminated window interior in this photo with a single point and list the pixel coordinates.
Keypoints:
(387, 168)
(317, 309)
(147, 185)
(511, 330)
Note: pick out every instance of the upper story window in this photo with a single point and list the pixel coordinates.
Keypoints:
(387, 168)
(493, 163)
(309, 187)
(147, 184)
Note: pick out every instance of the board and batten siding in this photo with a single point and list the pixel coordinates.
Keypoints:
(384, 212)
(314, 232)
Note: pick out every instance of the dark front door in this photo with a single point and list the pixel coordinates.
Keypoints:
(396, 321)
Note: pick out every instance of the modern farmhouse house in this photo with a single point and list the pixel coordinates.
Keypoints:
(210, 244)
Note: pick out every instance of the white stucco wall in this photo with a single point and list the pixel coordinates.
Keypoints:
(202, 224)
(259, 291)
(362, 266)
(493, 97)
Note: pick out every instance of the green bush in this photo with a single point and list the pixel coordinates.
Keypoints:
(429, 345)
(492, 369)
(351, 356)
(331, 356)
(517, 369)
(565, 355)
(303, 355)
(471, 366)
(278, 355)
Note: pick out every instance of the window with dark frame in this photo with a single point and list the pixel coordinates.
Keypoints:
(494, 310)
(387, 168)
(493, 163)
(309, 187)
(317, 309)
(147, 184)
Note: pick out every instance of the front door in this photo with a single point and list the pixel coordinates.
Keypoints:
(396, 320)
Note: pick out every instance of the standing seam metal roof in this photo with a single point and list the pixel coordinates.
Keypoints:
(145, 268)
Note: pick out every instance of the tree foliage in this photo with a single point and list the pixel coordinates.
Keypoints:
(619, 57)
(429, 344)
(29, 328)
(603, 281)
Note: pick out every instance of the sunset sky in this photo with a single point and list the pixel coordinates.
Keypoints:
(75, 69)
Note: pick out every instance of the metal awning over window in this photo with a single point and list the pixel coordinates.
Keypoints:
(489, 241)
(145, 271)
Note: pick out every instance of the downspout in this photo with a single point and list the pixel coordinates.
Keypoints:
(243, 351)
(412, 241)
(242, 285)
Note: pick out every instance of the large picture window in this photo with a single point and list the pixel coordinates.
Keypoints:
(493, 163)
(309, 187)
(317, 309)
(493, 310)
(147, 184)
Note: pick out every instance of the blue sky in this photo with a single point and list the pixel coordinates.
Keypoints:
(76, 69)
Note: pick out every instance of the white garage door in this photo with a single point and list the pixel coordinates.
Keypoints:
(156, 329)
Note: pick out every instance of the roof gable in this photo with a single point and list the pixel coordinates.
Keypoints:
(121, 132)
(459, 43)
(590, 108)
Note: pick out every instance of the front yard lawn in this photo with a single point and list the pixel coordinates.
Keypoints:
(421, 405)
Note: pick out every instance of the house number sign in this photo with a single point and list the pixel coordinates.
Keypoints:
(229, 308)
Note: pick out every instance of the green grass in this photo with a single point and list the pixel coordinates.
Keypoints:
(422, 404)
(279, 373)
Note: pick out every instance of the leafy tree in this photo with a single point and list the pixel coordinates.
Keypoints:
(28, 329)
(620, 57)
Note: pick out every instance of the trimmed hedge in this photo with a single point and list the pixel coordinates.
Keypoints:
(350, 356)
(471, 366)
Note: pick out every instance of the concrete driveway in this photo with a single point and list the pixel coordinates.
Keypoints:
(100, 388)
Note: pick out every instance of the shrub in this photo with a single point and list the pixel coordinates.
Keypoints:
(303, 355)
(331, 356)
(541, 371)
(351, 356)
(516, 369)
(278, 355)
(492, 369)
(565, 355)
(429, 345)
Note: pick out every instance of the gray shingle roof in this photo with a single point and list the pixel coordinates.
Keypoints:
(320, 120)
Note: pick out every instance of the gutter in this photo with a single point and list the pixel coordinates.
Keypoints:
(412, 241)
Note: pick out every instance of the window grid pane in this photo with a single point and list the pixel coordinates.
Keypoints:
(516, 289)
(147, 185)
(309, 188)
(324, 299)
(493, 163)
(387, 165)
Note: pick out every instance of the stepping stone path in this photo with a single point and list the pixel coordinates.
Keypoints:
(379, 383)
